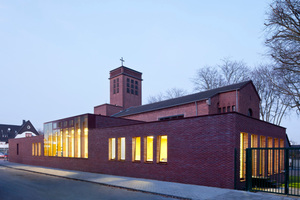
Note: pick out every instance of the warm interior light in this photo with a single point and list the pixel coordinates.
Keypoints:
(137, 148)
(163, 148)
(150, 148)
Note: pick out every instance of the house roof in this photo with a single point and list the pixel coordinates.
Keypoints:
(8, 131)
(180, 100)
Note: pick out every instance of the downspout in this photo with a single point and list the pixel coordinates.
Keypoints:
(237, 100)
(196, 108)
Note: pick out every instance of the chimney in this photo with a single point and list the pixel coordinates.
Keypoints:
(24, 121)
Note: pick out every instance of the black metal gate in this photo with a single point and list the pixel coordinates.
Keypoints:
(275, 170)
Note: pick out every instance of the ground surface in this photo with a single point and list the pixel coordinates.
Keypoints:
(21, 185)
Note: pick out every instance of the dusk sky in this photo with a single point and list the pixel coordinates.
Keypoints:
(55, 56)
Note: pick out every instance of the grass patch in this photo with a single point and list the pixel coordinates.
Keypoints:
(294, 182)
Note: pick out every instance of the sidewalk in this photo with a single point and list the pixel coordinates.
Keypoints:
(177, 190)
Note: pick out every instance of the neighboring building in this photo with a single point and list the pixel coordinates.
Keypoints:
(197, 139)
(15, 131)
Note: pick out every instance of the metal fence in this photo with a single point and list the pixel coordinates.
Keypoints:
(275, 170)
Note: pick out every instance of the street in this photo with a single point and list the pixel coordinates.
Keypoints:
(17, 184)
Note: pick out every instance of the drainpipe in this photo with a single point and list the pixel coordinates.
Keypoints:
(237, 100)
(196, 108)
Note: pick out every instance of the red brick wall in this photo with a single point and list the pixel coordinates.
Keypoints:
(188, 110)
(123, 98)
(200, 149)
(248, 98)
(107, 109)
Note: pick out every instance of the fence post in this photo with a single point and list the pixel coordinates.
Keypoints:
(248, 169)
(287, 169)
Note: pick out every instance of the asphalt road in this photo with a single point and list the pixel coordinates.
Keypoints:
(22, 185)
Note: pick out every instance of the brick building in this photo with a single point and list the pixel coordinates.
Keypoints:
(198, 139)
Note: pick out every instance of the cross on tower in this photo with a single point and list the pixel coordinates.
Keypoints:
(122, 61)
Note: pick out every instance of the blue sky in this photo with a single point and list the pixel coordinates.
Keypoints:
(55, 56)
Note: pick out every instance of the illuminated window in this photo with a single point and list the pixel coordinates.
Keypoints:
(59, 143)
(54, 144)
(148, 148)
(32, 149)
(276, 155)
(136, 149)
(40, 149)
(69, 141)
(112, 148)
(65, 142)
(121, 148)
(71, 152)
(162, 144)
(243, 147)
(77, 138)
(254, 144)
(281, 155)
(35, 149)
(262, 156)
(270, 155)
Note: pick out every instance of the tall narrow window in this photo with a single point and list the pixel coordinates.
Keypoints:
(40, 149)
(254, 144)
(71, 142)
(270, 156)
(65, 138)
(276, 155)
(162, 144)
(35, 149)
(262, 156)
(281, 155)
(243, 147)
(148, 148)
(17, 149)
(59, 142)
(233, 108)
(121, 148)
(32, 149)
(136, 149)
(112, 148)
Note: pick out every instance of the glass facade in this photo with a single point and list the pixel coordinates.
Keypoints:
(67, 138)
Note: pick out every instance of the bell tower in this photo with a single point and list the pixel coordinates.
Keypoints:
(125, 87)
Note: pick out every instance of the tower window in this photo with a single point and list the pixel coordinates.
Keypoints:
(250, 113)
(116, 86)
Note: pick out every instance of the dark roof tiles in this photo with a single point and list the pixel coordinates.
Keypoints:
(180, 100)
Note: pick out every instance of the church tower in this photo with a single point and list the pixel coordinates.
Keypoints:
(125, 87)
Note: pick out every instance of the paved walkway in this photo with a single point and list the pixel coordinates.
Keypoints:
(175, 190)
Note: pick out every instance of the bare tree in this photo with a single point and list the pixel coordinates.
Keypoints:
(273, 105)
(156, 98)
(226, 73)
(169, 94)
(234, 71)
(207, 78)
(283, 41)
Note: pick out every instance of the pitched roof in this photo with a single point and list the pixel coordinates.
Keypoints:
(180, 100)
(11, 131)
